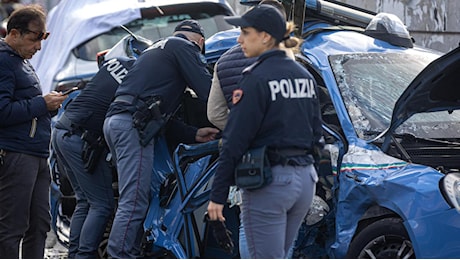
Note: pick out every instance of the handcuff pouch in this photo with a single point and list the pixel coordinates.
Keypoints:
(253, 171)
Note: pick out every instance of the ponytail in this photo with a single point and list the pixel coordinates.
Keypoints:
(288, 40)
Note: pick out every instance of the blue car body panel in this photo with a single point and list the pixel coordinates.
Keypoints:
(409, 190)
(173, 226)
(219, 43)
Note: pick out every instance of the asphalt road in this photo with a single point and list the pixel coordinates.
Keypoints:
(54, 250)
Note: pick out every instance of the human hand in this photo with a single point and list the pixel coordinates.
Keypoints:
(54, 100)
(215, 211)
(206, 134)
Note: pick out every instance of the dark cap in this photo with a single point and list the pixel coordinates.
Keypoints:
(190, 26)
(263, 18)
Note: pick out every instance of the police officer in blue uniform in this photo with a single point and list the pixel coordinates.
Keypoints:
(227, 74)
(159, 76)
(276, 106)
(78, 130)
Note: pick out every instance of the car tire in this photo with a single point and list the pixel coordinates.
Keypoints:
(384, 238)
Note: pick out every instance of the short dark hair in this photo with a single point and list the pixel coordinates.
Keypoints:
(21, 17)
(190, 26)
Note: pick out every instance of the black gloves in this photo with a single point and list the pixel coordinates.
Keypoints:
(222, 235)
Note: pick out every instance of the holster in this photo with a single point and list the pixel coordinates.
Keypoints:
(253, 171)
(148, 120)
(151, 129)
(93, 148)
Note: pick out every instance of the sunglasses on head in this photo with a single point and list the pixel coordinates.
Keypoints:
(40, 35)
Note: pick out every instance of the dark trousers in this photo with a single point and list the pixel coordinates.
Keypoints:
(24, 205)
(94, 193)
(135, 167)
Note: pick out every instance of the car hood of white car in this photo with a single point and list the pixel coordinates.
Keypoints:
(71, 23)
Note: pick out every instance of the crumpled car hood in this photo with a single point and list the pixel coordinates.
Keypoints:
(436, 88)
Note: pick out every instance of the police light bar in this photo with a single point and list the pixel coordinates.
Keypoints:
(383, 26)
(341, 14)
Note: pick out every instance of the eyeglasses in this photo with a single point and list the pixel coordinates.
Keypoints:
(40, 35)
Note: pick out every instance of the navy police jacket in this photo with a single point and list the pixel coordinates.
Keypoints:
(165, 69)
(275, 105)
(88, 109)
(25, 122)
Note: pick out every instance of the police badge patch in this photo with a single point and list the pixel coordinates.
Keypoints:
(237, 95)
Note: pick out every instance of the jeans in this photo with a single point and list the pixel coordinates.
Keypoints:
(135, 166)
(24, 205)
(93, 191)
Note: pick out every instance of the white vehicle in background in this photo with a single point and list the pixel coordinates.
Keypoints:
(81, 29)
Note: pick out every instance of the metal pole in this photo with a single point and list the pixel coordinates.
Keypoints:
(299, 16)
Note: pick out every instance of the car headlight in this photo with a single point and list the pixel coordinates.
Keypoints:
(450, 187)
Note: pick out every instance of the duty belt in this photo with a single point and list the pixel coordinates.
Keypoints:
(284, 155)
(289, 152)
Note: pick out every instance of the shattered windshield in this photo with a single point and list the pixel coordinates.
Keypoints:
(370, 85)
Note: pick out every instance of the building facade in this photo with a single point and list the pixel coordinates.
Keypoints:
(432, 23)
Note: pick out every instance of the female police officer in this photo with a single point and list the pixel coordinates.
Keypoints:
(275, 105)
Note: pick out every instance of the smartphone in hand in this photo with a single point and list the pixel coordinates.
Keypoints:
(70, 90)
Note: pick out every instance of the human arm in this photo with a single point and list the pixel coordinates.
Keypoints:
(21, 98)
(193, 68)
(250, 112)
(217, 108)
(206, 134)
(179, 132)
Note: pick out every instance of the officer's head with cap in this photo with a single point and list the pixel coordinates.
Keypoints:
(193, 31)
(263, 27)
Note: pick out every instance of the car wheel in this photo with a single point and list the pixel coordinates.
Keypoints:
(102, 250)
(385, 238)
